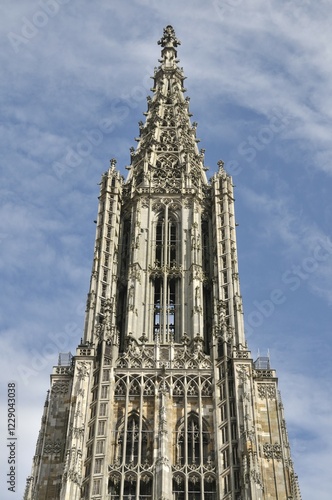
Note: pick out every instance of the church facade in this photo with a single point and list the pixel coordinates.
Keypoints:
(162, 399)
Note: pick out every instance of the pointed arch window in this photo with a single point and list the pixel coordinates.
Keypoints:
(131, 486)
(192, 442)
(210, 491)
(179, 487)
(189, 443)
(129, 442)
(134, 442)
(166, 276)
(166, 248)
(134, 454)
(194, 487)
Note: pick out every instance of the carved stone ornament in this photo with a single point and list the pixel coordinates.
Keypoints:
(135, 273)
(166, 175)
(272, 451)
(267, 391)
(60, 388)
(242, 371)
(52, 447)
(73, 476)
(241, 354)
(186, 359)
(82, 369)
(255, 476)
(91, 301)
(263, 373)
(137, 357)
(169, 39)
(63, 370)
(145, 202)
(77, 432)
(178, 478)
(157, 271)
(162, 461)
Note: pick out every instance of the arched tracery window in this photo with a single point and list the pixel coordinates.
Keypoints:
(133, 453)
(194, 487)
(133, 442)
(166, 276)
(192, 442)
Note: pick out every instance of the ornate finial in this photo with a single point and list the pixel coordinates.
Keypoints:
(221, 166)
(169, 39)
(47, 398)
(113, 163)
(144, 338)
(185, 339)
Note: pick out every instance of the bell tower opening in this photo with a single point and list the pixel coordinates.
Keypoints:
(166, 282)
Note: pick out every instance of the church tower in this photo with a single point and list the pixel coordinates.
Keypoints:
(162, 399)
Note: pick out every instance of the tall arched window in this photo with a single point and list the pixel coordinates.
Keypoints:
(133, 443)
(210, 487)
(166, 277)
(179, 487)
(134, 453)
(128, 442)
(207, 285)
(130, 487)
(123, 289)
(194, 487)
(192, 442)
(166, 242)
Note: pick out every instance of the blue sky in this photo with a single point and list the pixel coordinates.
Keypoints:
(74, 80)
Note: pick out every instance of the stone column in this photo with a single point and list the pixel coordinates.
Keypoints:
(163, 475)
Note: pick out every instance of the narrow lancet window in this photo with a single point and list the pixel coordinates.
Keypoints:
(129, 442)
(166, 279)
(192, 443)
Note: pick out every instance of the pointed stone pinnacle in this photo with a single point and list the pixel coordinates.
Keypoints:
(169, 39)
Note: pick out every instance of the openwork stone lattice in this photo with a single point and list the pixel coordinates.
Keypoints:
(142, 356)
(266, 391)
(60, 388)
(263, 373)
(272, 451)
(167, 175)
(52, 447)
(179, 385)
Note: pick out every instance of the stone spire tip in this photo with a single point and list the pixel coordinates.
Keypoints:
(169, 39)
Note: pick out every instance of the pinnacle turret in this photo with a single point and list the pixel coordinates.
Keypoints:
(167, 158)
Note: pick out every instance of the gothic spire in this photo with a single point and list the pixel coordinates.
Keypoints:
(167, 158)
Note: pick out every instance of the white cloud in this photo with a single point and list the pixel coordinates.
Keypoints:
(308, 401)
